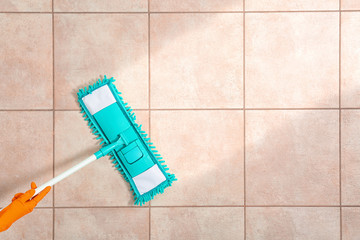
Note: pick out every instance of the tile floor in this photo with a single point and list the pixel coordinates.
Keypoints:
(254, 104)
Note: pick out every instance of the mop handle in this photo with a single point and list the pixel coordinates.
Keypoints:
(102, 152)
(67, 173)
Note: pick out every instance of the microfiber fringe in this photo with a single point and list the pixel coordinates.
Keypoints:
(139, 199)
(142, 199)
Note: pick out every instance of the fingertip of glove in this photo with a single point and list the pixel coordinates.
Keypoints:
(31, 192)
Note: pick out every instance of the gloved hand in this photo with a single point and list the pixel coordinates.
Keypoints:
(20, 206)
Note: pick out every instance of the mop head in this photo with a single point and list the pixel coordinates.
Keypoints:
(110, 118)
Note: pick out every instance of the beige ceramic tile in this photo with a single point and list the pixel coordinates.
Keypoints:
(26, 146)
(350, 5)
(90, 45)
(25, 5)
(100, 6)
(202, 5)
(196, 60)
(350, 59)
(292, 157)
(73, 143)
(197, 223)
(292, 223)
(284, 5)
(350, 223)
(102, 223)
(290, 61)
(26, 61)
(36, 225)
(205, 151)
(350, 156)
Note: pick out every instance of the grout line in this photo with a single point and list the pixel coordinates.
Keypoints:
(304, 206)
(74, 207)
(26, 110)
(193, 12)
(247, 109)
(279, 11)
(294, 11)
(234, 109)
(340, 189)
(78, 110)
(273, 109)
(244, 119)
(192, 109)
(64, 110)
(210, 206)
(349, 108)
(24, 12)
(355, 10)
(134, 13)
(149, 75)
(188, 109)
(53, 110)
(149, 99)
(149, 221)
(183, 12)
(206, 12)
(162, 109)
(350, 206)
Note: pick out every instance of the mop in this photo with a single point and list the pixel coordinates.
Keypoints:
(130, 150)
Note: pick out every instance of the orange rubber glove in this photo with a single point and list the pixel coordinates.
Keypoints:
(20, 206)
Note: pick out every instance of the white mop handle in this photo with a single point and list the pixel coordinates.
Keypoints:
(66, 173)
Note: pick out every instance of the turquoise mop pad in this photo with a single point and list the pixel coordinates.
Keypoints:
(113, 121)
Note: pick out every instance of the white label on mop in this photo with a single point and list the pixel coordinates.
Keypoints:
(99, 99)
(149, 179)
